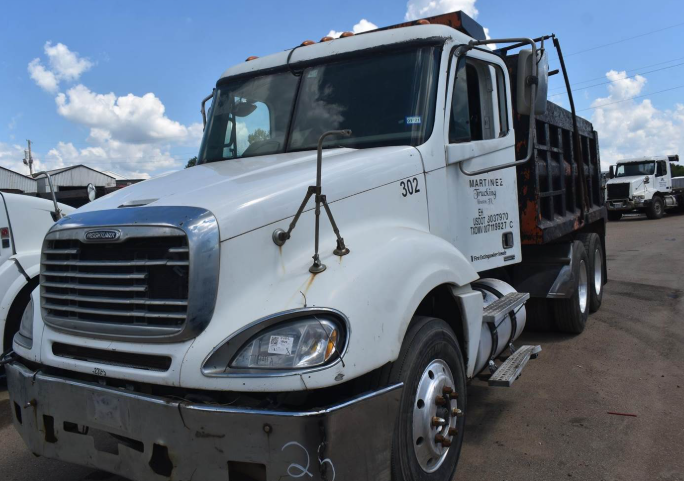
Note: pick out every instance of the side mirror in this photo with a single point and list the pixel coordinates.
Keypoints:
(92, 192)
(525, 77)
(611, 172)
(647, 180)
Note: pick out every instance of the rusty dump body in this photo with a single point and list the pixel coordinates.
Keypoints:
(550, 185)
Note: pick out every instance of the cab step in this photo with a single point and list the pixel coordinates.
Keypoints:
(500, 308)
(510, 370)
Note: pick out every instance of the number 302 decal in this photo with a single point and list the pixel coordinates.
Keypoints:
(409, 187)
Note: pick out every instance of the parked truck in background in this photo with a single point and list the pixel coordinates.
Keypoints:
(644, 185)
(183, 329)
(24, 221)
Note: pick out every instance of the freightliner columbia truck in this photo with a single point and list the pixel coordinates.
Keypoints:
(644, 185)
(367, 218)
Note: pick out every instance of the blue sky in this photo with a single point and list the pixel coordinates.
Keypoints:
(117, 85)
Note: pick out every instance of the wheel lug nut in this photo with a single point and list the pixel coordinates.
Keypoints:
(453, 432)
(457, 413)
(440, 401)
(446, 443)
(439, 438)
(436, 421)
(447, 390)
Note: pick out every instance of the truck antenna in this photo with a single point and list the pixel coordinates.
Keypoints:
(280, 236)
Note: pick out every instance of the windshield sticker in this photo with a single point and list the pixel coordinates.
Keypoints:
(312, 74)
(280, 345)
(413, 120)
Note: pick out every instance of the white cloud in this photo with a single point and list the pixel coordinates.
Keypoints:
(416, 9)
(11, 157)
(43, 77)
(363, 26)
(634, 128)
(487, 36)
(130, 118)
(66, 65)
(105, 153)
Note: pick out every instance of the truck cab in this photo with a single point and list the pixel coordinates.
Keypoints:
(24, 221)
(313, 297)
(643, 185)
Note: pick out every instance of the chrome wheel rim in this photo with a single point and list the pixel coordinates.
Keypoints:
(435, 413)
(598, 271)
(582, 287)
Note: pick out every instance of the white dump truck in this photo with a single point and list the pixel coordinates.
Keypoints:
(644, 185)
(367, 218)
(24, 221)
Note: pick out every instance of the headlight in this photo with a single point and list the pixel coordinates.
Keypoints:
(303, 342)
(639, 198)
(25, 334)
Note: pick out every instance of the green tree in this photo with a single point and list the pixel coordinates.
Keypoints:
(677, 170)
(192, 162)
(257, 135)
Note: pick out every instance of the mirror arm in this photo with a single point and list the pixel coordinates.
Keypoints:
(533, 81)
(204, 113)
(58, 213)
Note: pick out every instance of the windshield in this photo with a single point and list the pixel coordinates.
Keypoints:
(386, 99)
(635, 168)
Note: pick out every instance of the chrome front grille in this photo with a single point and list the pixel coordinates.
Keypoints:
(138, 283)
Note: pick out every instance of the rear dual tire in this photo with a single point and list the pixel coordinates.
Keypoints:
(571, 314)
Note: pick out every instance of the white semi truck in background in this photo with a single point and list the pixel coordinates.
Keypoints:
(644, 185)
(184, 330)
(24, 221)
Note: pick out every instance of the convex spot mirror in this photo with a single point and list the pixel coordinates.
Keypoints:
(92, 192)
(524, 89)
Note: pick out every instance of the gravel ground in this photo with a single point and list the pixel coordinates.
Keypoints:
(554, 423)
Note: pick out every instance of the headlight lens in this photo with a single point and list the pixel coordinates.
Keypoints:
(638, 197)
(300, 344)
(26, 326)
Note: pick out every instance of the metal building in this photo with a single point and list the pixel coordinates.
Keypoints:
(76, 177)
(16, 183)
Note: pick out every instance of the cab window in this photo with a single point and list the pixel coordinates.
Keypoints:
(479, 110)
(662, 169)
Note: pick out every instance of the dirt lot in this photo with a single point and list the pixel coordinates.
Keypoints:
(554, 423)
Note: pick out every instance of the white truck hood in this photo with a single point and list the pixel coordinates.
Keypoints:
(245, 194)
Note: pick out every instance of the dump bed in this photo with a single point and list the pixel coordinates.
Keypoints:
(549, 185)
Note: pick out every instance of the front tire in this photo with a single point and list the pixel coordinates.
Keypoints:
(656, 209)
(430, 364)
(614, 215)
(571, 314)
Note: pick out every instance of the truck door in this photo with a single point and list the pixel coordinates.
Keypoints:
(663, 178)
(484, 215)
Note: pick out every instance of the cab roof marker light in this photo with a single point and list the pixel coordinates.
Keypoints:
(307, 42)
(347, 34)
(327, 39)
(253, 57)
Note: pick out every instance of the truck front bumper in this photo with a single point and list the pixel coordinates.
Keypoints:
(626, 205)
(144, 437)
